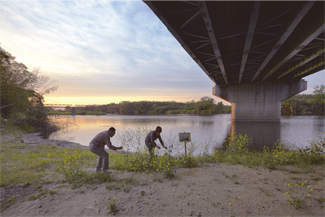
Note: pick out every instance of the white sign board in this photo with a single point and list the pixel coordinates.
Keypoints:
(184, 137)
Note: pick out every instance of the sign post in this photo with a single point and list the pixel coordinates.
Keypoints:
(185, 137)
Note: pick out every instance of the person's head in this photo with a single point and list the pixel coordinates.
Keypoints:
(158, 130)
(111, 131)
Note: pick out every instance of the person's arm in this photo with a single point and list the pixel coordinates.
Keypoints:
(110, 146)
(161, 142)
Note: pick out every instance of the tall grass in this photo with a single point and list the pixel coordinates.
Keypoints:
(236, 152)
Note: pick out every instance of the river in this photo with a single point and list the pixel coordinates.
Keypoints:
(207, 132)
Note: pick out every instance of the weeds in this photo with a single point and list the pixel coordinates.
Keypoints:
(6, 203)
(232, 178)
(231, 209)
(41, 193)
(130, 180)
(116, 186)
(127, 189)
(320, 200)
(111, 206)
(296, 193)
(157, 179)
(236, 152)
(265, 192)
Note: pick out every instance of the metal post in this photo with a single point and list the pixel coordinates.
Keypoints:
(185, 149)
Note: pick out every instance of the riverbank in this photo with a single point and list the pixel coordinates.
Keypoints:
(212, 189)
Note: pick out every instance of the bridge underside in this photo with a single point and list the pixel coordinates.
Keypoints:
(248, 43)
(258, 102)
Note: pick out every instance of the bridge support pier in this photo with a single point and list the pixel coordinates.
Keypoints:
(258, 102)
(73, 111)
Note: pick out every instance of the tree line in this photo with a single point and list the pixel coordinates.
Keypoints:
(205, 106)
(305, 104)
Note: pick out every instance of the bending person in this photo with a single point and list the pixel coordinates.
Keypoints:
(96, 146)
(150, 140)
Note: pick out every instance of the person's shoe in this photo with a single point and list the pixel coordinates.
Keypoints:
(97, 170)
(107, 171)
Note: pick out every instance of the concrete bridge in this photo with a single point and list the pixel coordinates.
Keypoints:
(255, 52)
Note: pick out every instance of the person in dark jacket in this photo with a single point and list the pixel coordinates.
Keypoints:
(150, 140)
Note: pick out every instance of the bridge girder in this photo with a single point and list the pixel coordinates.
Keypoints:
(248, 42)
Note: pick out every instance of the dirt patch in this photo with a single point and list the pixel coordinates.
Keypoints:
(15, 193)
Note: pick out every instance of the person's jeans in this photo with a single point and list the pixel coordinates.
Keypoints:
(102, 155)
(151, 149)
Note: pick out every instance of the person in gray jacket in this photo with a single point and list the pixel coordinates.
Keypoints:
(96, 146)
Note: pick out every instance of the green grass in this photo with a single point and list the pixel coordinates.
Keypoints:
(21, 163)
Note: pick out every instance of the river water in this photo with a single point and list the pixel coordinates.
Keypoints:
(207, 132)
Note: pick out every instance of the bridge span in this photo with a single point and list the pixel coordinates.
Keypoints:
(256, 52)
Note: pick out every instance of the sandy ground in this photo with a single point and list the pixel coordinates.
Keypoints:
(213, 189)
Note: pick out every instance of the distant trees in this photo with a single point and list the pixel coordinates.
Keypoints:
(303, 104)
(22, 93)
(205, 106)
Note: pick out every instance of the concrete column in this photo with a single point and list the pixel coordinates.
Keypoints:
(258, 102)
(73, 111)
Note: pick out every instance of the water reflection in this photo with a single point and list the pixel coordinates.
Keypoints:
(262, 134)
(319, 125)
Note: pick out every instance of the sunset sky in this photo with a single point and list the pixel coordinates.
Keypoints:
(100, 52)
